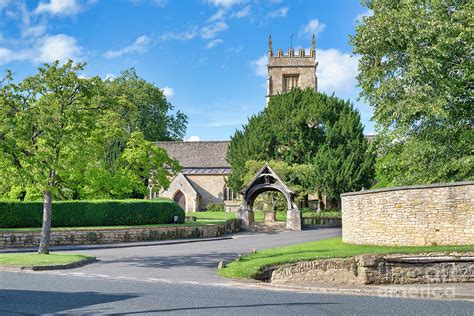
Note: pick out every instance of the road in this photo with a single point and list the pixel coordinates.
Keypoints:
(181, 279)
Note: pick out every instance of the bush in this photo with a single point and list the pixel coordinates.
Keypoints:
(15, 214)
(215, 207)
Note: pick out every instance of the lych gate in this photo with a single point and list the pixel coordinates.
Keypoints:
(267, 180)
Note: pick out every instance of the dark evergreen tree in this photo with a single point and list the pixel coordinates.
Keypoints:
(306, 127)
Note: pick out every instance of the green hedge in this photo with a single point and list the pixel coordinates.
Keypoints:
(215, 207)
(15, 214)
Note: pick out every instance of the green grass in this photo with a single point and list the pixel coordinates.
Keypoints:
(33, 259)
(199, 222)
(249, 265)
(258, 216)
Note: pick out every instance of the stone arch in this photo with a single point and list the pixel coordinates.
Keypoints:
(180, 198)
(181, 183)
(267, 180)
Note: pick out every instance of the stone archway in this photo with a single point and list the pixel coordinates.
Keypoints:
(267, 180)
(180, 198)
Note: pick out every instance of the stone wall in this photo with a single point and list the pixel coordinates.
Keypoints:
(209, 187)
(440, 214)
(379, 269)
(106, 236)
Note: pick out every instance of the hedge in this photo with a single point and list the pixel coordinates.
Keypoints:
(15, 214)
(215, 207)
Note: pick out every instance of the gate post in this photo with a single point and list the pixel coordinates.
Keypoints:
(242, 216)
(293, 218)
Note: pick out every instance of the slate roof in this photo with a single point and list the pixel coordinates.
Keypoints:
(203, 157)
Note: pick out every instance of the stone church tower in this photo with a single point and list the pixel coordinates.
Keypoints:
(288, 71)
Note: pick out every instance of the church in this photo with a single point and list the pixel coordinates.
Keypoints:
(203, 179)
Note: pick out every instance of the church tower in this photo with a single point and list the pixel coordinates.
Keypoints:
(289, 71)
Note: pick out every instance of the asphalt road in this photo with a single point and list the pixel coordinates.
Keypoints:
(192, 262)
(28, 293)
(181, 279)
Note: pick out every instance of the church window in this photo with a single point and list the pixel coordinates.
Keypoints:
(290, 82)
(229, 194)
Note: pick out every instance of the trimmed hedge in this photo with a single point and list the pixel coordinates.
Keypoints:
(15, 214)
(215, 207)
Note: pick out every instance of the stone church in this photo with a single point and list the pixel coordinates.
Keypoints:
(205, 168)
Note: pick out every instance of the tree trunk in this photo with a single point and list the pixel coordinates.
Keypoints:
(46, 230)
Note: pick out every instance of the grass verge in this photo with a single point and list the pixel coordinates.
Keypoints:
(34, 260)
(249, 265)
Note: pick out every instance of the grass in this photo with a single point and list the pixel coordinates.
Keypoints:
(33, 259)
(249, 265)
(199, 222)
(258, 216)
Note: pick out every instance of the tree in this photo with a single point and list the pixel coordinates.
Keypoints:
(306, 128)
(416, 71)
(43, 122)
(144, 108)
(62, 136)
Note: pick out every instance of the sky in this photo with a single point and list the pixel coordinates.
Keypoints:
(208, 56)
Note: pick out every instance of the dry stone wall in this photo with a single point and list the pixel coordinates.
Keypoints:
(440, 214)
(380, 269)
(106, 236)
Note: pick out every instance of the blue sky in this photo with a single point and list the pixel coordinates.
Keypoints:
(209, 56)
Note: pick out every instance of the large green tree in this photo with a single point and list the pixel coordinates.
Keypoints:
(59, 136)
(303, 127)
(416, 70)
(145, 108)
(43, 121)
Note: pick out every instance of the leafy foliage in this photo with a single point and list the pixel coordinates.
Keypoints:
(215, 207)
(317, 138)
(416, 71)
(91, 133)
(91, 213)
(144, 108)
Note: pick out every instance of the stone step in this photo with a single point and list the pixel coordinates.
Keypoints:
(268, 227)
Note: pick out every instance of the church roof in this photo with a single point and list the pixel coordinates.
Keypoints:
(203, 157)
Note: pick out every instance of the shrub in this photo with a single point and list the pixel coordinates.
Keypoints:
(215, 207)
(90, 213)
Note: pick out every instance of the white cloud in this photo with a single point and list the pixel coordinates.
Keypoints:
(360, 16)
(260, 66)
(245, 11)
(219, 15)
(313, 27)
(193, 139)
(214, 43)
(34, 31)
(278, 13)
(139, 46)
(160, 3)
(58, 7)
(4, 3)
(191, 33)
(57, 47)
(210, 31)
(109, 77)
(168, 92)
(6, 55)
(47, 49)
(225, 3)
(336, 71)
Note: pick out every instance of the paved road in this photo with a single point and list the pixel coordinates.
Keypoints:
(180, 278)
(28, 293)
(190, 262)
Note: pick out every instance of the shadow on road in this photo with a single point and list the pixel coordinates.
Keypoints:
(47, 302)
